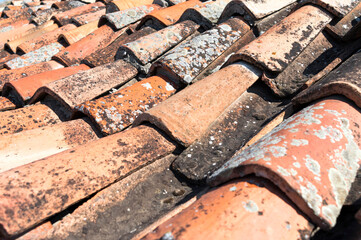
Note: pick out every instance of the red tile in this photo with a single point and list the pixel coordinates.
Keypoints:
(242, 209)
(89, 17)
(86, 85)
(16, 32)
(186, 115)
(39, 232)
(10, 75)
(24, 88)
(116, 111)
(6, 104)
(45, 39)
(78, 33)
(28, 146)
(339, 8)
(67, 5)
(318, 179)
(120, 5)
(106, 160)
(280, 45)
(98, 39)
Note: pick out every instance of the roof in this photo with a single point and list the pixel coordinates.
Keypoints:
(174, 119)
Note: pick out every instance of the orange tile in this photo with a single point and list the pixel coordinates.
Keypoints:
(87, 85)
(242, 209)
(66, 5)
(8, 24)
(42, 16)
(45, 28)
(98, 39)
(282, 43)
(316, 179)
(119, 5)
(116, 111)
(17, 13)
(7, 58)
(43, 40)
(89, 17)
(24, 88)
(340, 9)
(6, 104)
(26, 118)
(78, 33)
(186, 115)
(65, 17)
(10, 75)
(169, 15)
(28, 146)
(16, 32)
(106, 161)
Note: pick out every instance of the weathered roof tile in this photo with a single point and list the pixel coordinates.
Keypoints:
(75, 34)
(339, 8)
(89, 17)
(120, 5)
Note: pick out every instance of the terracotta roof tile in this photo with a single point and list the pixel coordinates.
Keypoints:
(253, 10)
(5, 57)
(187, 115)
(347, 27)
(16, 32)
(89, 17)
(147, 48)
(39, 232)
(44, 39)
(98, 39)
(86, 85)
(243, 209)
(26, 118)
(169, 15)
(9, 75)
(315, 184)
(107, 54)
(285, 41)
(42, 54)
(78, 33)
(206, 14)
(6, 104)
(65, 17)
(343, 81)
(229, 132)
(123, 18)
(20, 148)
(21, 90)
(45, 28)
(125, 152)
(67, 5)
(120, 5)
(118, 110)
(42, 16)
(339, 8)
(17, 13)
(190, 58)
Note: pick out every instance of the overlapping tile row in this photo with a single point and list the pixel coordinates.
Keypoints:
(220, 105)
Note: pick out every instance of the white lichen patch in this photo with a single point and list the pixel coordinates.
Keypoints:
(310, 195)
(232, 189)
(250, 206)
(296, 164)
(331, 212)
(299, 142)
(283, 171)
(312, 165)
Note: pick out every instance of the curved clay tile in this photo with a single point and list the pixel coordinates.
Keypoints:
(346, 28)
(231, 131)
(205, 14)
(253, 10)
(45, 39)
(167, 16)
(123, 18)
(39, 232)
(43, 29)
(17, 13)
(78, 33)
(26, 118)
(16, 32)
(42, 54)
(316, 179)
(43, 16)
(146, 49)
(120, 5)
(7, 58)
(106, 160)
(65, 17)
(187, 60)
(107, 54)
(343, 81)
(242, 209)
(98, 39)
(188, 114)
(10, 75)
(338, 8)
(87, 18)
(22, 148)
(6, 104)
(67, 5)
(114, 112)
(285, 41)
(8, 24)
(87, 85)
(21, 90)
